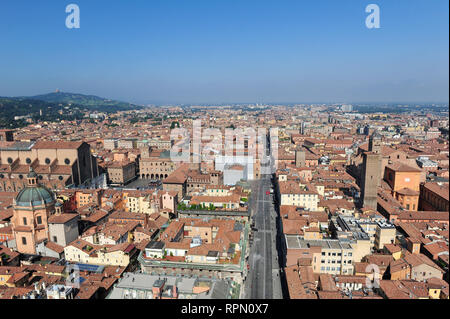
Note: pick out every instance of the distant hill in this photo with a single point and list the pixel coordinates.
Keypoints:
(88, 101)
(55, 106)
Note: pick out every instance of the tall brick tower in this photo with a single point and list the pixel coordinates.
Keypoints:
(371, 172)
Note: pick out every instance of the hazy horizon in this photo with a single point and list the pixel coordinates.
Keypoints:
(246, 102)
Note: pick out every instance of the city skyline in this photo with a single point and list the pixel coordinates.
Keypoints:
(255, 102)
(224, 158)
(233, 52)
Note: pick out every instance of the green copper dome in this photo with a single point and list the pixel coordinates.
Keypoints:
(34, 196)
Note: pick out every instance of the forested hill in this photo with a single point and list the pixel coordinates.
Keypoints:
(88, 101)
(55, 106)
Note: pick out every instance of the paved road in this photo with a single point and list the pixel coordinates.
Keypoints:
(263, 280)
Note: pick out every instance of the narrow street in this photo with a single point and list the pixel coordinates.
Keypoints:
(263, 279)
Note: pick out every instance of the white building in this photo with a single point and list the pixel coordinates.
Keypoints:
(227, 164)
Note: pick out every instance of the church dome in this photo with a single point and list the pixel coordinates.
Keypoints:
(34, 196)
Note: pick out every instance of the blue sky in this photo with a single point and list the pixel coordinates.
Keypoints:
(216, 51)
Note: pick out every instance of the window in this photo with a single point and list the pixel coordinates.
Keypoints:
(24, 221)
(28, 160)
(39, 220)
(55, 239)
(24, 241)
(47, 161)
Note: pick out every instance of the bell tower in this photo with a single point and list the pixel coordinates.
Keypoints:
(32, 178)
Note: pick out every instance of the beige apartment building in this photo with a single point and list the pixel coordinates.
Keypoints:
(127, 143)
(385, 234)
(160, 144)
(142, 202)
(110, 143)
(218, 190)
(291, 194)
(81, 251)
(327, 256)
(145, 202)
